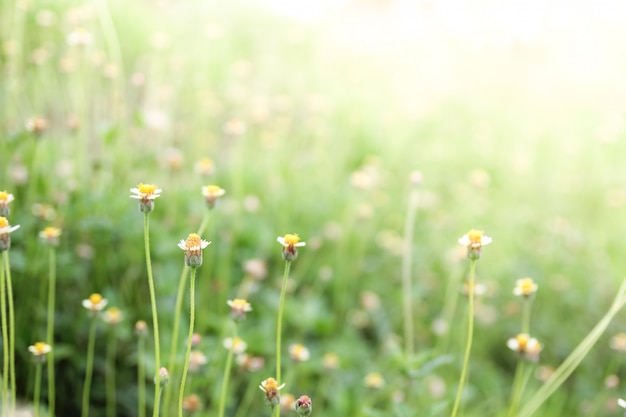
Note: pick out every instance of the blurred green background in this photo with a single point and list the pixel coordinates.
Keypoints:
(314, 116)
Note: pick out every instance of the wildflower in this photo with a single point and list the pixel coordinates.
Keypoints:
(239, 308)
(618, 342)
(237, 345)
(43, 211)
(270, 387)
(196, 360)
(474, 240)
(192, 403)
(113, 316)
(40, 350)
(37, 125)
(141, 328)
(212, 193)
(287, 402)
(528, 347)
(257, 268)
(5, 199)
(304, 406)
(5, 234)
(479, 289)
(205, 167)
(330, 361)
(95, 303)
(622, 403)
(164, 375)
(299, 353)
(193, 249)
(196, 338)
(79, 37)
(50, 235)
(374, 380)
(250, 363)
(525, 287)
(290, 242)
(146, 194)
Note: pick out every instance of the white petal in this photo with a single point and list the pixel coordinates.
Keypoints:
(621, 403)
(485, 240)
(464, 240)
(87, 304)
(182, 245)
(512, 344)
(281, 240)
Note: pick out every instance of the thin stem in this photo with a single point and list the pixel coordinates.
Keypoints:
(526, 315)
(407, 285)
(141, 375)
(517, 385)
(470, 333)
(110, 373)
(155, 319)
(5, 342)
(171, 363)
(279, 324)
(89, 371)
(229, 361)
(50, 328)
(11, 332)
(37, 388)
(192, 308)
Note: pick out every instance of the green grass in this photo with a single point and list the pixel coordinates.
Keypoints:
(316, 110)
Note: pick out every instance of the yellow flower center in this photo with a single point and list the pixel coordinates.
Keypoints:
(522, 341)
(270, 384)
(291, 239)
(3, 222)
(475, 236)
(40, 347)
(147, 189)
(52, 232)
(95, 299)
(526, 286)
(4, 196)
(193, 241)
(239, 304)
(213, 189)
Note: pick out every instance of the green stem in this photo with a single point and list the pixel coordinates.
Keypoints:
(5, 342)
(50, 329)
(89, 371)
(37, 388)
(407, 285)
(517, 385)
(279, 324)
(470, 333)
(141, 375)
(110, 373)
(526, 315)
(192, 308)
(229, 361)
(171, 363)
(11, 332)
(155, 319)
(573, 360)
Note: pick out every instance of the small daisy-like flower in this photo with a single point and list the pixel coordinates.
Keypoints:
(146, 194)
(39, 351)
(95, 303)
(618, 342)
(50, 236)
(164, 376)
(5, 200)
(528, 347)
(474, 240)
(79, 37)
(196, 360)
(239, 308)
(374, 380)
(192, 403)
(205, 167)
(290, 242)
(287, 402)
(250, 363)
(113, 316)
(193, 249)
(525, 287)
(622, 403)
(212, 193)
(299, 353)
(5, 233)
(270, 387)
(330, 361)
(237, 345)
(141, 328)
(479, 289)
(37, 125)
(304, 406)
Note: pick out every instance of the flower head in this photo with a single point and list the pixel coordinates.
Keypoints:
(164, 377)
(95, 303)
(40, 350)
(239, 308)
(212, 193)
(618, 342)
(304, 406)
(374, 380)
(37, 125)
(270, 387)
(474, 240)
(5, 199)
(5, 234)
(299, 353)
(528, 347)
(141, 328)
(193, 250)
(205, 167)
(113, 316)
(192, 403)
(196, 360)
(525, 287)
(146, 194)
(236, 344)
(290, 242)
(250, 363)
(50, 235)
(622, 403)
